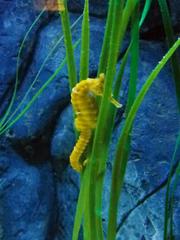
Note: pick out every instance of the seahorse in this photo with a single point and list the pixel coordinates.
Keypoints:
(61, 6)
(86, 109)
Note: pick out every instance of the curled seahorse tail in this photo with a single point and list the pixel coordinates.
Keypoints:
(79, 149)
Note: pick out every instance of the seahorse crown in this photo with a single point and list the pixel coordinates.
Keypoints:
(98, 85)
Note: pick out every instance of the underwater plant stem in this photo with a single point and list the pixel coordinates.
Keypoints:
(175, 184)
(81, 204)
(121, 153)
(134, 47)
(85, 39)
(84, 180)
(117, 85)
(145, 11)
(100, 140)
(168, 212)
(102, 136)
(17, 70)
(175, 62)
(68, 45)
(84, 72)
(106, 41)
(134, 59)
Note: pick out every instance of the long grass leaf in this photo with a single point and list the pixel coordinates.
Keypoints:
(106, 42)
(85, 39)
(80, 207)
(102, 135)
(145, 11)
(134, 47)
(117, 85)
(17, 68)
(168, 212)
(134, 60)
(118, 82)
(122, 148)
(96, 192)
(68, 43)
(175, 184)
(175, 63)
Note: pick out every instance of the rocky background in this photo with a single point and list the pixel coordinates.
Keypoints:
(38, 188)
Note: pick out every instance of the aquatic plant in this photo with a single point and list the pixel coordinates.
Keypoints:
(120, 15)
(89, 207)
(175, 63)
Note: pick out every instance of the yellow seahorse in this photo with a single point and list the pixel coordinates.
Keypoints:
(86, 109)
(61, 6)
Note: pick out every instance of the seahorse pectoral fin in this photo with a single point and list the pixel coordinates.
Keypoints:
(115, 103)
(85, 162)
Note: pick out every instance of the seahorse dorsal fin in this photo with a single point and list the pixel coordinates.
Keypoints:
(114, 102)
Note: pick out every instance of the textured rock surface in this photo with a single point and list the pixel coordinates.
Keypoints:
(38, 196)
(63, 139)
(27, 198)
(96, 7)
(67, 195)
(153, 140)
(175, 14)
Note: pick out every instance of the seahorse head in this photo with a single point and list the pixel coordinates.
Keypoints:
(98, 85)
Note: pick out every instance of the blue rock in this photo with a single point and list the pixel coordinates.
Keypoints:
(147, 225)
(67, 194)
(174, 10)
(27, 198)
(96, 8)
(42, 112)
(64, 138)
